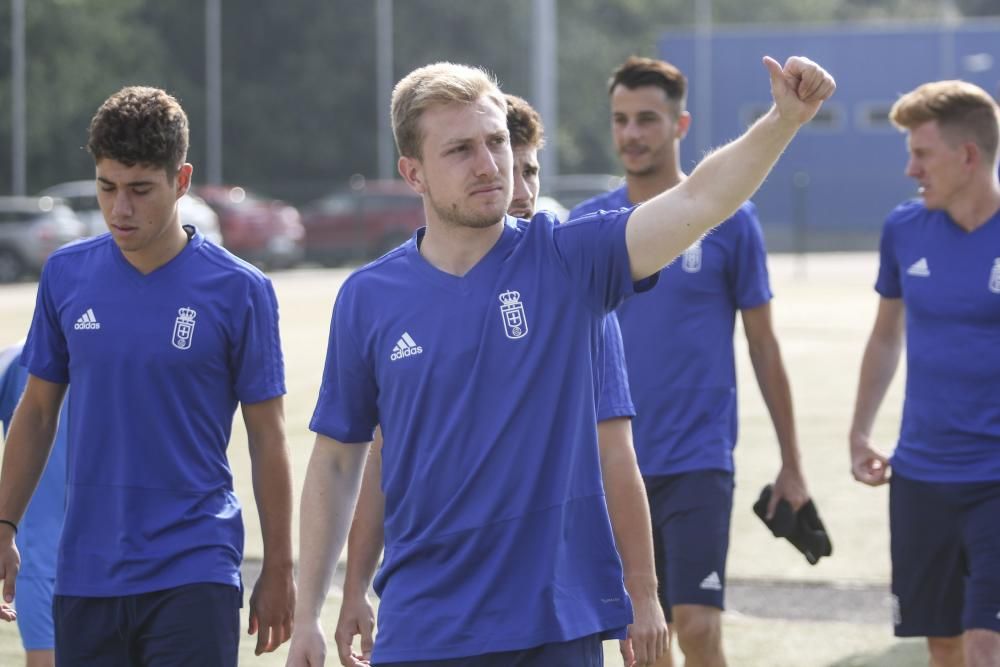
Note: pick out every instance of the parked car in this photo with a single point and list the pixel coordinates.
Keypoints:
(361, 222)
(30, 229)
(82, 198)
(267, 232)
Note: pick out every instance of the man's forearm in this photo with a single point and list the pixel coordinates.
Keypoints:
(29, 442)
(628, 507)
(328, 495)
(367, 536)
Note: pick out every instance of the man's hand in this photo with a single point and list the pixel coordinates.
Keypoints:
(308, 647)
(648, 636)
(789, 486)
(10, 565)
(868, 465)
(356, 618)
(799, 88)
(272, 608)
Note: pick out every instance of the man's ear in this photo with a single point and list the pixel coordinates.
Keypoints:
(683, 124)
(412, 171)
(183, 179)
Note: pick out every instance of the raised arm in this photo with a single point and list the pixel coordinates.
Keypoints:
(29, 441)
(272, 601)
(868, 465)
(661, 228)
(364, 546)
(328, 496)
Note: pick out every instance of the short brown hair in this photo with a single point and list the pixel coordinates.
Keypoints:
(963, 111)
(524, 124)
(140, 125)
(638, 72)
(440, 83)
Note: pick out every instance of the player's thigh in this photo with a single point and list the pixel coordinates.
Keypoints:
(90, 632)
(694, 536)
(981, 540)
(191, 625)
(34, 613)
(928, 568)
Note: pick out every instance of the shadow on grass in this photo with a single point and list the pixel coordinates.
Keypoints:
(905, 653)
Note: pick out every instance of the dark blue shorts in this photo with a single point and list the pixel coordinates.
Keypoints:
(945, 556)
(197, 624)
(583, 652)
(691, 513)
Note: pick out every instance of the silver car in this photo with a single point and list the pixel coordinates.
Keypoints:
(30, 229)
(82, 198)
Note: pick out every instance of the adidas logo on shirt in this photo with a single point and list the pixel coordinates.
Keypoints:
(919, 269)
(87, 321)
(405, 347)
(711, 582)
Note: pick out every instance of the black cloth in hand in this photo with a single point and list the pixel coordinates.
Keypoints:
(804, 529)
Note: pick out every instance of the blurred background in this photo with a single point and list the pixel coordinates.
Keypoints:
(289, 104)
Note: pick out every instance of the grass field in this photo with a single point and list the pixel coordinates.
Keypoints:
(824, 308)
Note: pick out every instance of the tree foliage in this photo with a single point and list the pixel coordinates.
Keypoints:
(300, 108)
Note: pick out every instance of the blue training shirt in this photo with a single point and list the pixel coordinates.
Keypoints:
(158, 364)
(40, 527)
(679, 344)
(949, 281)
(497, 534)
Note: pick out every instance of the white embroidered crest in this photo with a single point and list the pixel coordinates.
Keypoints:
(512, 310)
(184, 328)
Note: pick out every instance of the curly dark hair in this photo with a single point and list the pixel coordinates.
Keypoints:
(524, 123)
(140, 125)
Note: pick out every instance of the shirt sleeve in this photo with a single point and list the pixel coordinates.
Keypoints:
(256, 357)
(346, 409)
(46, 354)
(593, 251)
(614, 398)
(888, 283)
(749, 280)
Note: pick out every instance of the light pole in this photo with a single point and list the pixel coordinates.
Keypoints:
(18, 125)
(213, 91)
(383, 88)
(546, 80)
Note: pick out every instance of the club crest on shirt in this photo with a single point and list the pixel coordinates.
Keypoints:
(691, 261)
(184, 328)
(995, 277)
(512, 311)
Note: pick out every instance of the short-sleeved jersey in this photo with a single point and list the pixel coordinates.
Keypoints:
(40, 527)
(615, 397)
(157, 364)
(678, 340)
(497, 534)
(949, 281)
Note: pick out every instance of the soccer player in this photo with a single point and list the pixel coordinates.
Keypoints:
(40, 526)
(472, 346)
(614, 412)
(163, 334)
(679, 351)
(939, 288)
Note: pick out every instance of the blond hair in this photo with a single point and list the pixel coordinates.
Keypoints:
(962, 110)
(431, 85)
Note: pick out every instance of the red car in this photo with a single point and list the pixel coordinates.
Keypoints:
(266, 232)
(361, 222)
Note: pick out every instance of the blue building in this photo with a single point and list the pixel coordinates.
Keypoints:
(844, 172)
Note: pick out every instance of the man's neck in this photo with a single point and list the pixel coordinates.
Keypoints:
(455, 249)
(645, 187)
(167, 247)
(975, 210)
